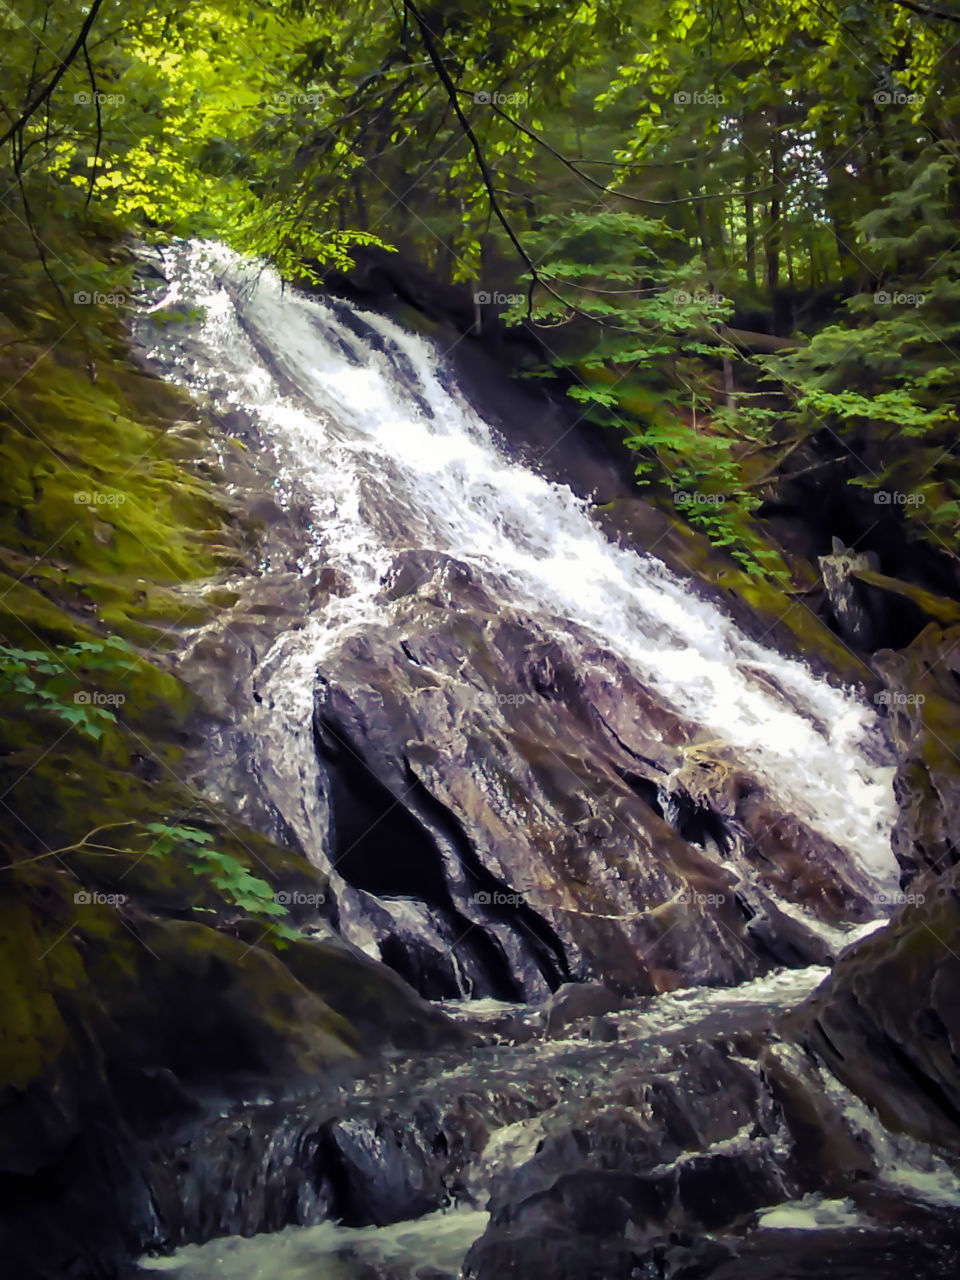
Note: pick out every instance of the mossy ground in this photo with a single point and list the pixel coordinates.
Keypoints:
(112, 523)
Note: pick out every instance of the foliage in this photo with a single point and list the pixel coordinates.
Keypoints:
(653, 174)
(251, 895)
(46, 680)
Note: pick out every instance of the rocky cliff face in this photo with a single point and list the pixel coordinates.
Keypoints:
(923, 682)
(492, 803)
(888, 1019)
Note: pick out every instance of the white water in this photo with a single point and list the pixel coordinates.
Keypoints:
(332, 1252)
(439, 1241)
(395, 458)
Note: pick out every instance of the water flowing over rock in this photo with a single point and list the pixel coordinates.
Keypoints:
(522, 753)
(556, 789)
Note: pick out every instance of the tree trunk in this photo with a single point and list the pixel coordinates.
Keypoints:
(774, 233)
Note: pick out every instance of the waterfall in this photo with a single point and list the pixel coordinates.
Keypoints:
(364, 417)
(392, 470)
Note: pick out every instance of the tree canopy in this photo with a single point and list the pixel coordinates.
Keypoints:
(732, 227)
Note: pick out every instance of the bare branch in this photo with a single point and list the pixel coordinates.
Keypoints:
(927, 10)
(615, 191)
(17, 128)
(96, 103)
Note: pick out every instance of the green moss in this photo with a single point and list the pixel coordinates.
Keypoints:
(112, 523)
(34, 969)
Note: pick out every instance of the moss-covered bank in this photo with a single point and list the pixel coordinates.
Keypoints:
(145, 963)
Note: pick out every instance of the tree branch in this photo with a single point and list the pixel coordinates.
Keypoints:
(487, 177)
(927, 10)
(96, 103)
(83, 843)
(19, 125)
(614, 191)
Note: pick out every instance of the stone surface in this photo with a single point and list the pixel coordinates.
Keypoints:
(887, 1021)
(922, 702)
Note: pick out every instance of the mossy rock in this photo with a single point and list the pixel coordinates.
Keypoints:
(142, 989)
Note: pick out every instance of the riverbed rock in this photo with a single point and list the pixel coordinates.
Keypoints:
(143, 1026)
(923, 708)
(633, 1190)
(575, 1000)
(887, 1021)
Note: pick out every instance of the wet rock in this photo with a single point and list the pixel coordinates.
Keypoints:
(609, 1194)
(887, 1021)
(716, 803)
(923, 707)
(513, 791)
(163, 1025)
(575, 1000)
(714, 1189)
(855, 621)
(385, 1171)
(604, 1030)
(852, 1254)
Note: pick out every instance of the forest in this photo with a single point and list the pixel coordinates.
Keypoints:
(730, 228)
(479, 639)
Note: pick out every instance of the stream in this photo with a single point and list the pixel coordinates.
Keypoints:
(525, 757)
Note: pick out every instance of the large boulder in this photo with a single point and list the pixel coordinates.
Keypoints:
(922, 702)
(541, 815)
(887, 1021)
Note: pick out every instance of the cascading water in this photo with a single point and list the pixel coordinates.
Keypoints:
(364, 420)
(366, 425)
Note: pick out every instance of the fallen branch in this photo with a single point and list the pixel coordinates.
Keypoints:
(791, 475)
(83, 843)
